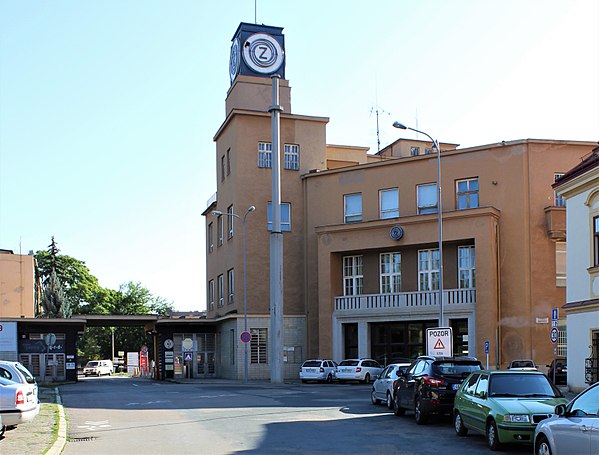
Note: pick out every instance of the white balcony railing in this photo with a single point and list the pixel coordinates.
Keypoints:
(404, 300)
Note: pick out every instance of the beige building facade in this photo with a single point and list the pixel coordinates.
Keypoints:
(20, 291)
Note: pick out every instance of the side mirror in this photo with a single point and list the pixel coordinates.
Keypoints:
(560, 410)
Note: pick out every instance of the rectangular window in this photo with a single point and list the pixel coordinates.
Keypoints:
(221, 230)
(231, 285)
(264, 154)
(291, 157)
(427, 198)
(285, 216)
(353, 275)
(230, 221)
(467, 194)
(560, 264)
(228, 161)
(389, 203)
(559, 200)
(428, 270)
(428, 151)
(221, 291)
(390, 273)
(352, 208)
(414, 151)
(466, 267)
(222, 168)
(596, 241)
(259, 346)
(211, 294)
(210, 238)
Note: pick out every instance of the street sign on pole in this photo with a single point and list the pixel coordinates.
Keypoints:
(487, 345)
(554, 334)
(439, 341)
(245, 336)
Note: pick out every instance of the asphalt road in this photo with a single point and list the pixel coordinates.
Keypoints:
(118, 415)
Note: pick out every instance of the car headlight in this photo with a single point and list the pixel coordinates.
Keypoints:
(517, 418)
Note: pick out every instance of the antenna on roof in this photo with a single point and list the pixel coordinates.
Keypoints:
(377, 110)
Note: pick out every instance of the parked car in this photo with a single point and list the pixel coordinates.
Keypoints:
(430, 384)
(16, 372)
(98, 367)
(505, 406)
(561, 372)
(318, 370)
(573, 428)
(363, 370)
(382, 387)
(19, 404)
(527, 365)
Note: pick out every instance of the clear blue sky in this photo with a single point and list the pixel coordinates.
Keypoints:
(108, 108)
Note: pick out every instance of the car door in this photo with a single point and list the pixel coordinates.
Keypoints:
(578, 431)
(464, 400)
(380, 384)
(479, 407)
(408, 388)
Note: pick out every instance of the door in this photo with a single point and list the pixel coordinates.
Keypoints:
(407, 390)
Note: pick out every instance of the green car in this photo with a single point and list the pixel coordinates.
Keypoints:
(504, 405)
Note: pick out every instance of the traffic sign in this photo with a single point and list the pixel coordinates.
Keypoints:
(245, 336)
(487, 346)
(188, 356)
(439, 341)
(555, 314)
(554, 335)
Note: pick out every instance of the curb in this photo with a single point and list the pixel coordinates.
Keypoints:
(61, 440)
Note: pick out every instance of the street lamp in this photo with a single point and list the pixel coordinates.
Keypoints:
(439, 213)
(251, 208)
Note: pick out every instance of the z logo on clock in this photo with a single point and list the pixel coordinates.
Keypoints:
(262, 53)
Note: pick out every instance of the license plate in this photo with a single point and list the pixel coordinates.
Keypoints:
(455, 386)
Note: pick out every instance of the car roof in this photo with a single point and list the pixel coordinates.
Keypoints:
(446, 358)
(494, 372)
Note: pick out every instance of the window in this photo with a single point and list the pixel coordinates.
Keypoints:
(292, 157)
(285, 216)
(390, 273)
(222, 168)
(428, 270)
(428, 151)
(414, 151)
(259, 346)
(559, 200)
(560, 264)
(596, 241)
(483, 386)
(210, 239)
(352, 207)
(264, 154)
(228, 161)
(467, 194)
(353, 275)
(230, 221)
(211, 294)
(231, 285)
(221, 234)
(221, 291)
(427, 198)
(466, 267)
(389, 200)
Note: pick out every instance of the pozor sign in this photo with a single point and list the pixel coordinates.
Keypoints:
(439, 341)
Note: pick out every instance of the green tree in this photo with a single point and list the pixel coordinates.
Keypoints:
(54, 303)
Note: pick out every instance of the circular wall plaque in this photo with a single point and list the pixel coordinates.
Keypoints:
(168, 344)
(262, 53)
(396, 232)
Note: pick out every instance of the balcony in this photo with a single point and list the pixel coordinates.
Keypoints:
(427, 302)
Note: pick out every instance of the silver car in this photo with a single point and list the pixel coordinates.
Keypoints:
(382, 388)
(18, 404)
(574, 429)
(16, 372)
(318, 370)
(363, 370)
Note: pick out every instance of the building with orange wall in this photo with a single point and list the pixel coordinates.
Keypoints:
(20, 292)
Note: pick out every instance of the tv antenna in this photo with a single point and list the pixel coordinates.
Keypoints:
(378, 111)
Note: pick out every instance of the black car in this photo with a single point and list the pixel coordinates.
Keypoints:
(561, 372)
(430, 384)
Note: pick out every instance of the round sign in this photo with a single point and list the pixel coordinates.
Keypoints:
(396, 232)
(168, 344)
(245, 336)
(234, 60)
(50, 339)
(144, 349)
(262, 53)
(554, 334)
(187, 344)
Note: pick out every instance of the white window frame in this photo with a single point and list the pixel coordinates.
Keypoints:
(466, 267)
(390, 273)
(265, 155)
(230, 221)
(428, 270)
(210, 238)
(291, 157)
(352, 216)
(221, 290)
(422, 207)
(414, 151)
(558, 200)
(211, 294)
(231, 285)
(469, 195)
(221, 230)
(285, 216)
(389, 212)
(259, 345)
(353, 275)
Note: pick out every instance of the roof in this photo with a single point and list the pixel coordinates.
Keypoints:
(589, 162)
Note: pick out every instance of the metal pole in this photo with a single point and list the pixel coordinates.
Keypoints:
(440, 223)
(276, 244)
(245, 307)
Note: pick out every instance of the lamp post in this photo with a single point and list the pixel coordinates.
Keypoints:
(251, 208)
(439, 213)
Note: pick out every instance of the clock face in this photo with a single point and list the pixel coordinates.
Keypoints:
(262, 53)
(234, 60)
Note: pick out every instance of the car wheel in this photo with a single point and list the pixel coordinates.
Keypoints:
(421, 418)
(2, 430)
(367, 378)
(458, 425)
(492, 436)
(543, 447)
(373, 398)
(389, 400)
(397, 409)
(330, 379)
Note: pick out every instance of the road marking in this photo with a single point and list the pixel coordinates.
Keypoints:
(135, 385)
(148, 402)
(91, 426)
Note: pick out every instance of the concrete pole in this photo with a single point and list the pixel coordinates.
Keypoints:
(276, 244)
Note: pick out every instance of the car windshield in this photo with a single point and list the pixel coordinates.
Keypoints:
(521, 385)
(349, 363)
(452, 368)
(92, 364)
(522, 364)
(25, 372)
(312, 363)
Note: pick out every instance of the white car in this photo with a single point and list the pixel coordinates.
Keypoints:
(16, 372)
(364, 370)
(382, 388)
(318, 370)
(18, 404)
(98, 367)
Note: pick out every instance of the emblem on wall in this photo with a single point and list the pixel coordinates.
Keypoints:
(396, 233)
(262, 53)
